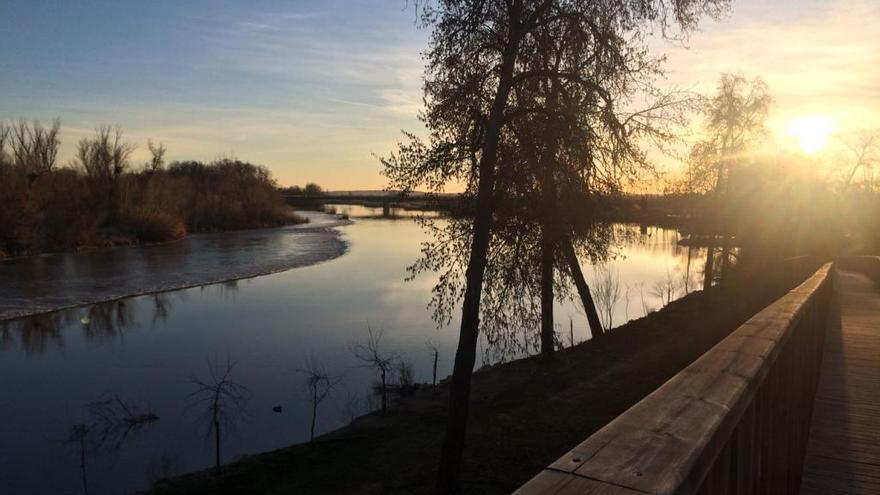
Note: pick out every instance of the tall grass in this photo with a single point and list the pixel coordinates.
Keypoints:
(100, 198)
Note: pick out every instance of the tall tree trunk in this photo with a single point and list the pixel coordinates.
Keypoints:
(314, 411)
(583, 289)
(550, 231)
(710, 263)
(217, 445)
(449, 470)
(547, 262)
(687, 272)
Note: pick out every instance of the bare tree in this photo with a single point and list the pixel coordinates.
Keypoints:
(319, 384)
(78, 435)
(734, 118)
(34, 147)
(4, 135)
(116, 420)
(666, 289)
(110, 423)
(371, 355)
(607, 293)
(104, 158)
(157, 156)
(220, 400)
(864, 149)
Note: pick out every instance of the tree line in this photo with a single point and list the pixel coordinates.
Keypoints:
(101, 197)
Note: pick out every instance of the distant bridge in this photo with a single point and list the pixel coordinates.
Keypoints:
(414, 201)
(788, 403)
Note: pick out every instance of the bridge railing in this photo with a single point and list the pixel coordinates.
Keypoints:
(736, 421)
(869, 265)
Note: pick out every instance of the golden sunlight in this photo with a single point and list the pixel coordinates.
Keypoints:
(812, 132)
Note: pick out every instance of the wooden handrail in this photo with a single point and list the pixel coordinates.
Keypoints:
(736, 421)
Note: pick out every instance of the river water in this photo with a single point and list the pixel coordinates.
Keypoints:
(325, 284)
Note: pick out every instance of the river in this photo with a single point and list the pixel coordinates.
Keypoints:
(325, 283)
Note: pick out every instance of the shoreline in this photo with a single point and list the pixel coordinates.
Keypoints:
(512, 433)
(327, 253)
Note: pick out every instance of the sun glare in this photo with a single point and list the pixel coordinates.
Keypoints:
(812, 132)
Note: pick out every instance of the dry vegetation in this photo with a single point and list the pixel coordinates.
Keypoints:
(100, 198)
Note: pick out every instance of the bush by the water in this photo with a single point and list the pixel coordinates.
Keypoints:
(98, 198)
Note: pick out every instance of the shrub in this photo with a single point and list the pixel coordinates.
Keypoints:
(154, 226)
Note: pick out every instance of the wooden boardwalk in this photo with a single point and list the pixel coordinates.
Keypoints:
(843, 456)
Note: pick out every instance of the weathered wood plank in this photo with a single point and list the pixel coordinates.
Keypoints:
(843, 456)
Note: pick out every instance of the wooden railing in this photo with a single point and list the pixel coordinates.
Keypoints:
(736, 421)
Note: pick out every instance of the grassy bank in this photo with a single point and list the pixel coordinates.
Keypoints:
(524, 414)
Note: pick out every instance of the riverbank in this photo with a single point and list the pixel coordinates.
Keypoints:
(107, 240)
(524, 414)
(52, 282)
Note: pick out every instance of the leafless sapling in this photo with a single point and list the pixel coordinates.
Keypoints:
(607, 293)
(78, 434)
(220, 400)
(371, 355)
(319, 384)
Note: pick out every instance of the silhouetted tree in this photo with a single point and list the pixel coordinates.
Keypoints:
(221, 401)
(4, 135)
(312, 189)
(157, 156)
(116, 419)
(607, 293)
(319, 384)
(111, 422)
(863, 149)
(78, 435)
(104, 158)
(371, 354)
(477, 60)
(35, 148)
(734, 118)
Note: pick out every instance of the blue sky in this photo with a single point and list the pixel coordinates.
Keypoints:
(313, 88)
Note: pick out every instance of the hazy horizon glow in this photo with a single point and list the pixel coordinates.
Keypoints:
(313, 89)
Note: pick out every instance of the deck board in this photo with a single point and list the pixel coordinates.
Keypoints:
(843, 455)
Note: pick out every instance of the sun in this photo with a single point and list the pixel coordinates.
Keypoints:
(812, 132)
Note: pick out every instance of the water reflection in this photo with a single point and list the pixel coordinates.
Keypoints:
(144, 349)
(50, 282)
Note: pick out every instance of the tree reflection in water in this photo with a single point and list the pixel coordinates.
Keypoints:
(99, 322)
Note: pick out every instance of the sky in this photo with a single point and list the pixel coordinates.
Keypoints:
(314, 89)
